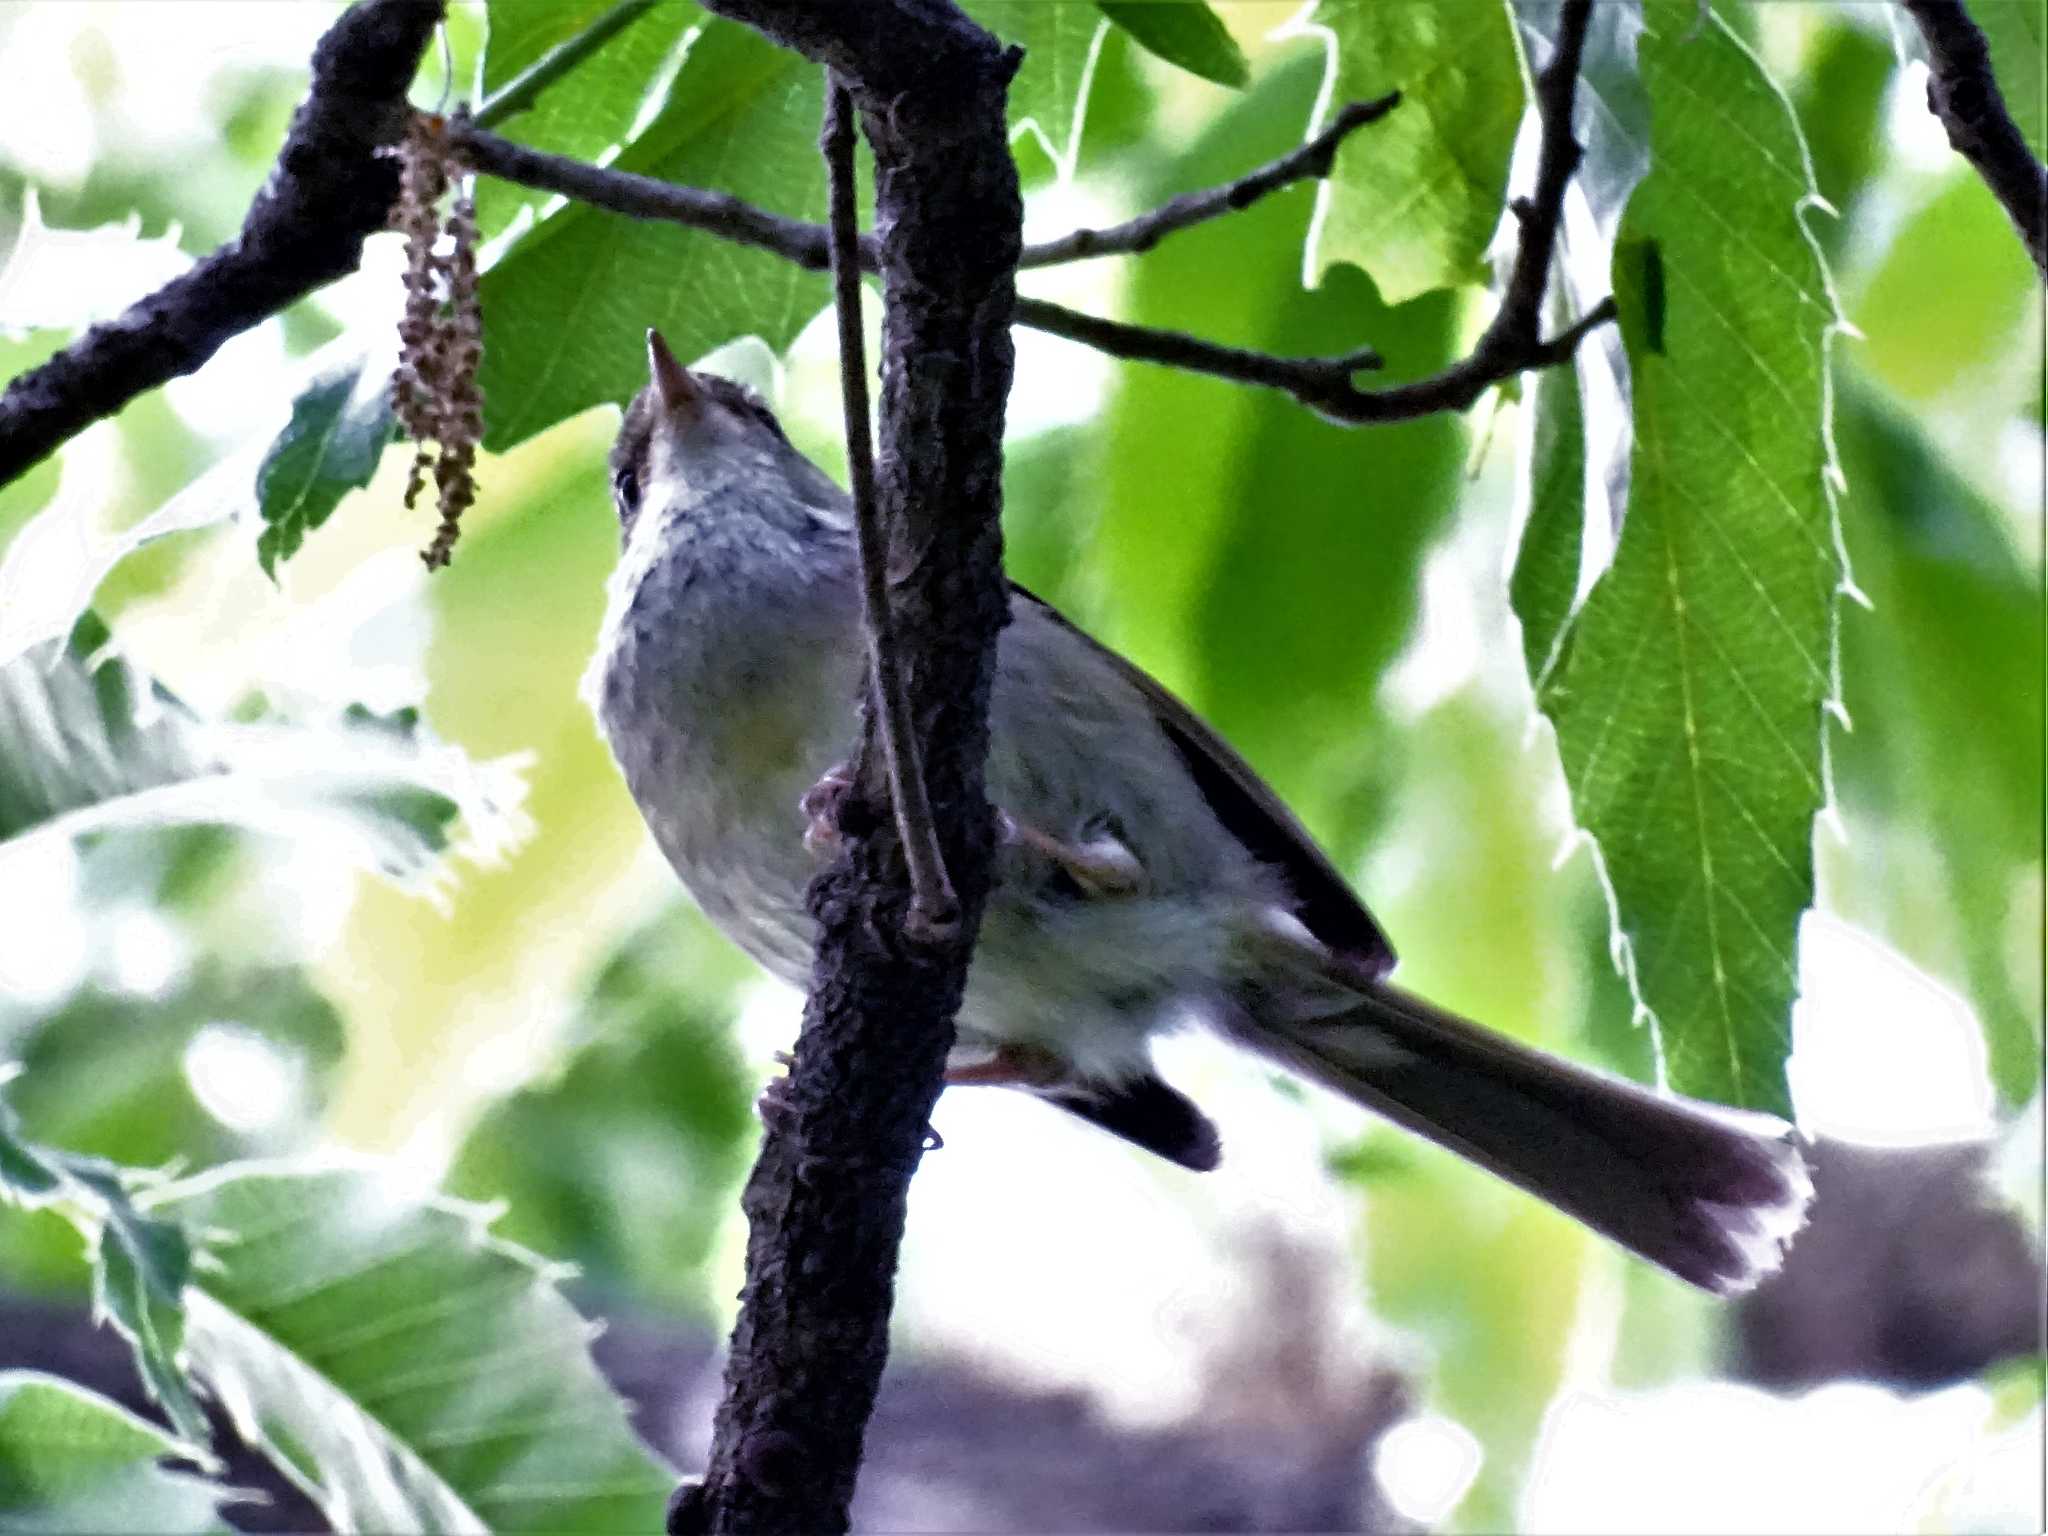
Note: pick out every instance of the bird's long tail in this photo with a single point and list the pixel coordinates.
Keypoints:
(1711, 1194)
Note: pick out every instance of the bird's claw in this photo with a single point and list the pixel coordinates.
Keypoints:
(1101, 867)
(820, 805)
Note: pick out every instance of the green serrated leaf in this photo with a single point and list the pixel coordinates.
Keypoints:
(592, 107)
(339, 429)
(408, 1370)
(1183, 32)
(1049, 95)
(1689, 710)
(1415, 201)
(2017, 31)
(95, 745)
(567, 311)
(140, 1264)
(1947, 739)
(72, 1460)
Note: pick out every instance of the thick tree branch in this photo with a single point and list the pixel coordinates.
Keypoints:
(1963, 92)
(329, 190)
(933, 906)
(825, 1202)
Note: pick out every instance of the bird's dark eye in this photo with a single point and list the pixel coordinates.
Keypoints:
(626, 487)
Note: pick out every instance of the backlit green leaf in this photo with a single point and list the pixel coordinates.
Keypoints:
(1049, 93)
(140, 1264)
(1689, 702)
(591, 107)
(1240, 537)
(408, 1370)
(95, 745)
(1183, 32)
(1414, 199)
(567, 311)
(339, 429)
(72, 1460)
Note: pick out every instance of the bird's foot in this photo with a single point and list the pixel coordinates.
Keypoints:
(821, 804)
(1010, 1066)
(1101, 867)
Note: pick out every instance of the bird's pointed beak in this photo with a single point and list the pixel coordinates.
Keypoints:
(674, 385)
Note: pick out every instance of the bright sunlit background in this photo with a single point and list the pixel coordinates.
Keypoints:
(1559, 1389)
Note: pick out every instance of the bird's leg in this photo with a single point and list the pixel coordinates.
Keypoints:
(1010, 1066)
(1102, 866)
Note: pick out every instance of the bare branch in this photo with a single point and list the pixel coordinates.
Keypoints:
(1137, 235)
(1511, 344)
(329, 191)
(647, 197)
(934, 909)
(1321, 382)
(717, 213)
(1963, 92)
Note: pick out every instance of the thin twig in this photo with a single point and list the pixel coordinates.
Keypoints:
(1963, 92)
(1322, 382)
(646, 197)
(523, 89)
(1512, 343)
(1134, 236)
(934, 909)
(329, 191)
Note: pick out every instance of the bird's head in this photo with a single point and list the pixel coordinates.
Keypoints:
(686, 431)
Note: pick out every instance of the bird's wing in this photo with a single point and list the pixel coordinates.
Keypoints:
(1252, 813)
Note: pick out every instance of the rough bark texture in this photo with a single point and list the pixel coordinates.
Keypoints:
(329, 190)
(826, 1200)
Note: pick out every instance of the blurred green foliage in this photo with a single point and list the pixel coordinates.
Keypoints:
(559, 1035)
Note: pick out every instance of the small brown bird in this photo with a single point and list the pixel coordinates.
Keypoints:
(1146, 872)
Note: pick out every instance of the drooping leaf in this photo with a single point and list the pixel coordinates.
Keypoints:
(1049, 95)
(567, 310)
(1545, 583)
(1414, 199)
(339, 429)
(2017, 31)
(593, 106)
(1948, 730)
(627, 1164)
(1611, 120)
(140, 1264)
(1183, 32)
(407, 1369)
(92, 744)
(72, 1460)
(1689, 702)
(1240, 538)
